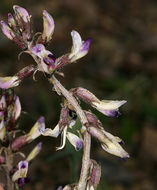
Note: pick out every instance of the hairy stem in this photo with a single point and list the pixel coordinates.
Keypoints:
(87, 138)
(8, 167)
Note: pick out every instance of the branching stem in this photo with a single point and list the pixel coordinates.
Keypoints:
(87, 138)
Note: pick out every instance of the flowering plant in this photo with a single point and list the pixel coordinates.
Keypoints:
(18, 29)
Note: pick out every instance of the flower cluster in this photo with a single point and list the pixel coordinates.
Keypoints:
(18, 29)
(10, 111)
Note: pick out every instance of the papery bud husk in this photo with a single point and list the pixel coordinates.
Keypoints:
(95, 174)
(93, 120)
(62, 62)
(85, 95)
(64, 117)
(2, 159)
(26, 72)
(19, 143)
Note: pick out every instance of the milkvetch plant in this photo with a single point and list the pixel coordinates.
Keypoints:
(18, 29)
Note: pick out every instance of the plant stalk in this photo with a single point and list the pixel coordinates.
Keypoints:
(87, 137)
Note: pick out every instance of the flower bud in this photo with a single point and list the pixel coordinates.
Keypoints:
(34, 152)
(7, 31)
(23, 20)
(17, 108)
(48, 27)
(12, 22)
(9, 82)
(22, 13)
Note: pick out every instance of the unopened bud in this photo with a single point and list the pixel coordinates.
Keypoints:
(23, 20)
(12, 22)
(48, 27)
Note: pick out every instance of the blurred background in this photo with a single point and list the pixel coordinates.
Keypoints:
(121, 64)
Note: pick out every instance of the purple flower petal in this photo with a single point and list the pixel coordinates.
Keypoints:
(79, 145)
(86, 44)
